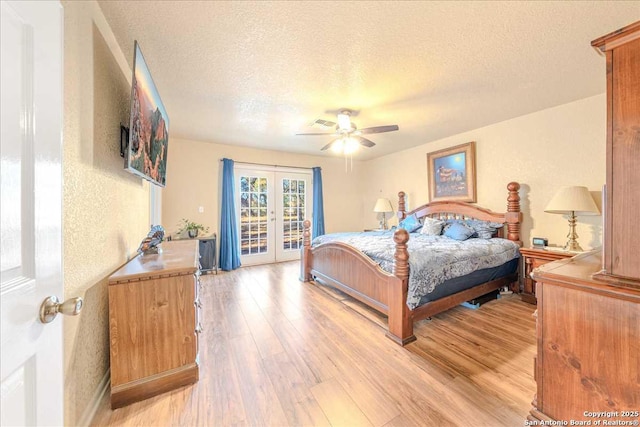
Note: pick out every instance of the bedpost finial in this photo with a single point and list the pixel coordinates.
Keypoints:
(401, 236)
(401, 265)
(306, 233)
(513, 201)
(401, 205)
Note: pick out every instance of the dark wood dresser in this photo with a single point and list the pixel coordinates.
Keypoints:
(588, 335)
(154, 322)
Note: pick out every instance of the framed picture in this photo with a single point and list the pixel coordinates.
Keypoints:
(452, 174)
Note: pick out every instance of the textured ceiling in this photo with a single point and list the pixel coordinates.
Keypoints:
(255, 73)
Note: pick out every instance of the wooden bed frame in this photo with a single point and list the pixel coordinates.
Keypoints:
(354, 273)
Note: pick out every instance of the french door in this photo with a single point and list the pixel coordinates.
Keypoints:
(272, 204)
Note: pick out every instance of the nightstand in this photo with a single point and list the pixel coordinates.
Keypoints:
(208, 253)
(533, 258)
(207, 249)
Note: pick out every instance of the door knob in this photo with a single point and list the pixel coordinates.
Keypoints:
(51, 306)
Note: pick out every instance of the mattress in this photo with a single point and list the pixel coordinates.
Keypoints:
(478, 277)
(432, 259)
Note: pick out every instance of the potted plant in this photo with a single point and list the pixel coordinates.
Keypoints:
(191, 228)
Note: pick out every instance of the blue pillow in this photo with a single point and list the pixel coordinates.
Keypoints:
(458, 231)
(410, 223)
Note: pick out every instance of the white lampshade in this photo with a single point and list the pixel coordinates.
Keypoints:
(383, 205)
(573, 199)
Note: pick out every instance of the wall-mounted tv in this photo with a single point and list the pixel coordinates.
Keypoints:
(146, 155)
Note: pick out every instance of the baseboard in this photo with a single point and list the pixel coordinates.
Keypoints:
(153, 385)
(94, 403)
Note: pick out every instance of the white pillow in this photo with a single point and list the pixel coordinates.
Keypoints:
(431, 227)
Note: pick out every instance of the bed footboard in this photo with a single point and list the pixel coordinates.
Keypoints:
(344, 267)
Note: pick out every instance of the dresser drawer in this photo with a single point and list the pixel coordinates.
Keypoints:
(537, 262)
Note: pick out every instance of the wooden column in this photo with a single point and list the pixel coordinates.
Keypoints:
(513, 215)
(400, 317)
(305, 256)
(622, 197)
(401, 206)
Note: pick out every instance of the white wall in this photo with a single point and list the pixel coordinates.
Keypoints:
(543, 151)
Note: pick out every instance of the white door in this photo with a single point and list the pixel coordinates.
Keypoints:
(272, 204)
(256, 210)
(293, 203)
(30, 211)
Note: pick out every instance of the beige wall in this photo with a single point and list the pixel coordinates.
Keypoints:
(193, 180)
(543, 151)
(106, 211)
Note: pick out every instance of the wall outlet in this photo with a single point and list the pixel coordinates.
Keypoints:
(201, 209)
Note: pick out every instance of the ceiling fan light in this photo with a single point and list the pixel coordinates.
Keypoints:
(344, 122)
(338, 146)
(350, 145)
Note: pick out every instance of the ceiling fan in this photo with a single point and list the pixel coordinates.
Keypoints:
(347, 133)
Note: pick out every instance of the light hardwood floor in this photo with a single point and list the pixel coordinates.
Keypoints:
(279, 352)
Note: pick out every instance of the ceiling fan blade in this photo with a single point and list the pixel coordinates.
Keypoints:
(326, 147)
(317, 133)
(379, 129)
(364, 141)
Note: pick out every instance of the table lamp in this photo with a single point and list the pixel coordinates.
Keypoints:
(383, 206)
(573, 201)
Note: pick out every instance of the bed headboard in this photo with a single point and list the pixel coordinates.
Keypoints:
(461, 210)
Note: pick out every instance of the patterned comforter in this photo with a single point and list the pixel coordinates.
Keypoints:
(432, 259)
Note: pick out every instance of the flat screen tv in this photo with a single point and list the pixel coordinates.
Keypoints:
(146, 155)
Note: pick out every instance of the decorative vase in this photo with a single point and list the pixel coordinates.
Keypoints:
(193, 233)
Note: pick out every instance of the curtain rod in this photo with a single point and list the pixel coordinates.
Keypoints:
(275, 166)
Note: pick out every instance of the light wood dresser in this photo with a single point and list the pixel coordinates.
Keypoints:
(154, 322)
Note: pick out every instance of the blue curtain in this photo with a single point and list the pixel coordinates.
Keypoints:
(229, 243)
(317, 226)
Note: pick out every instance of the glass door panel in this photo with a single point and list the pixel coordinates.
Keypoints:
(254, 190)
(293, 201)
